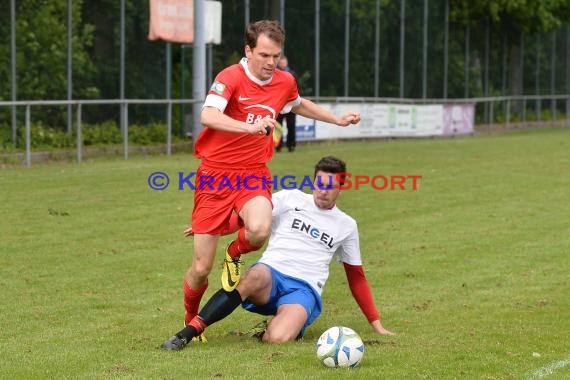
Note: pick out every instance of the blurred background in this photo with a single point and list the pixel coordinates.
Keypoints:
(430, 50)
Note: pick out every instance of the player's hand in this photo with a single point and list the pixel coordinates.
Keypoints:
(377, 326)
(349, 118)
(263, 126)
(188, 232)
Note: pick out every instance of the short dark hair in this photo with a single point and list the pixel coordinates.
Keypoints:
(271, 28)
(331, 164)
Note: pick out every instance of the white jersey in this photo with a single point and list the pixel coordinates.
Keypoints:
(304, 238)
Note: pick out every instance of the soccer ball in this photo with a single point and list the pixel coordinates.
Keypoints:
(340, 347)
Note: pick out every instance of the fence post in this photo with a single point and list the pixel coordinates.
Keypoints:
(125, 123)
(169, 128)
(508, 118)
(524, 112)
(13, 86)
(553, 111)
(486, 74)
(567, 111)
(28, 138)
(79, 136)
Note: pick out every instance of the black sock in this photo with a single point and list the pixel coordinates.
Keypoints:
(187, 333)
(219, 306)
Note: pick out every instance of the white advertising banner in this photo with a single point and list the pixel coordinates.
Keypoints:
(378, 120)
(458, 119)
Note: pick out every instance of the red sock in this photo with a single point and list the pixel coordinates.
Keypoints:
(198, 324)
(192, 298)
(234, 225)
(241, 245)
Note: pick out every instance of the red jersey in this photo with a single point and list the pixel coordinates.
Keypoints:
(241, 96)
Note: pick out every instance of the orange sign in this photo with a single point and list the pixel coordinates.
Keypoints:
(172, 20)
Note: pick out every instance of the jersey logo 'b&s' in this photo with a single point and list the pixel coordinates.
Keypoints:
(259, 113)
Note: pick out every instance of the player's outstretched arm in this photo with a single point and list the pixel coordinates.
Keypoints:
(361, 292)
(311, 110)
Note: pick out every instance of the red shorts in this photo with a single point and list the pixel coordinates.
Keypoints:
(220, 192)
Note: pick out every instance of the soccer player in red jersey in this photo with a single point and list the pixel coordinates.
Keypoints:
(241, 106)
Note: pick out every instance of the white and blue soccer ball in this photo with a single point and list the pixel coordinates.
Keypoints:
(340, 347)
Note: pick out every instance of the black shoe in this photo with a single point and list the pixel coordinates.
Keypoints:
(291, 149)
(174, 344)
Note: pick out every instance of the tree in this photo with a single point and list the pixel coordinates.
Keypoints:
(515, 18)
(41, 60)
(41, 45)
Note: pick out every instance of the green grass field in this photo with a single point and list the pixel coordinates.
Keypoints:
(471, 270)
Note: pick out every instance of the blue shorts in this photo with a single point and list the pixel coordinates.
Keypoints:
(288, 290)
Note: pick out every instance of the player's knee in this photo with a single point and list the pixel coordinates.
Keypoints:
(200, 270)
(276, 336)
(252, 281)
(258, 231)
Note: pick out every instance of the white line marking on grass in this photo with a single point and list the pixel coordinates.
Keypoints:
(549, 369)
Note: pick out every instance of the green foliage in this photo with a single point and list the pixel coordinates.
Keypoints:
(528, 16)
(41, 137)
(41, 54)
(42, 49)
(104, 134)
(145, 76)
(147, 134)
(48, 137)
(107, 133)
(5, 136)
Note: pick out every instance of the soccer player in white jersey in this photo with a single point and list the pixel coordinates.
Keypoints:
(287, 282)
